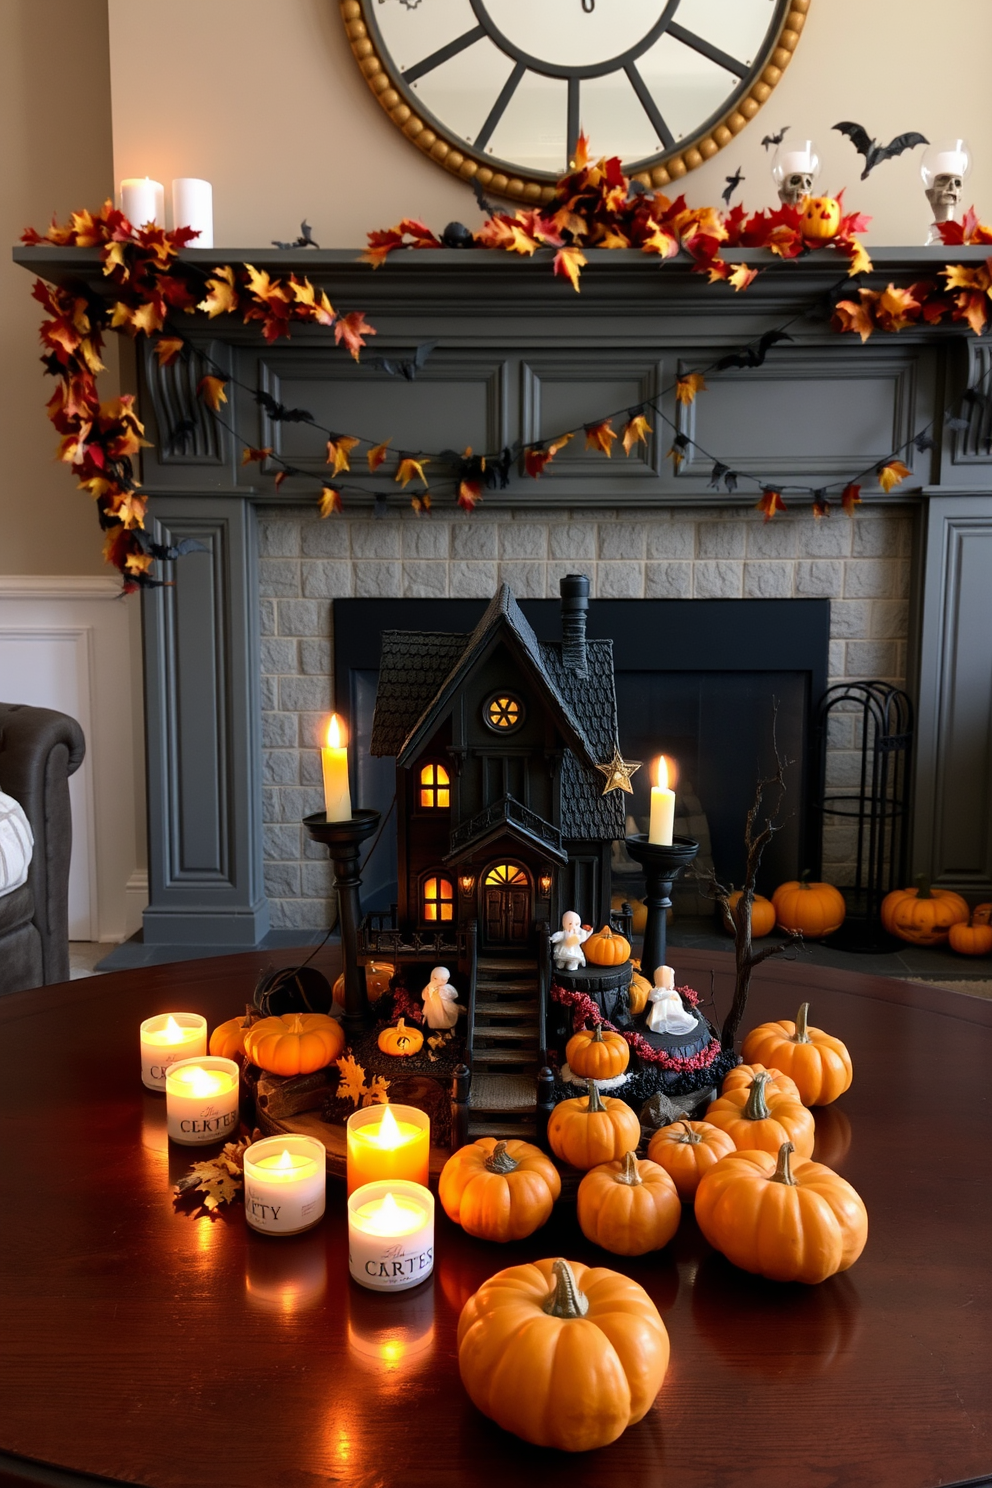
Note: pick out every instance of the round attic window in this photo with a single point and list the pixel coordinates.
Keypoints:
(503, 712)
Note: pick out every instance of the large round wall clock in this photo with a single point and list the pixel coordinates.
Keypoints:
(498, 90)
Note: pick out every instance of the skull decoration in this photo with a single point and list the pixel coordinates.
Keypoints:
(943, 169)
(794, 169)
(795, 187)
(945, 196)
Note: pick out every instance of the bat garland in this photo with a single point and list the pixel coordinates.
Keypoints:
(873, 152)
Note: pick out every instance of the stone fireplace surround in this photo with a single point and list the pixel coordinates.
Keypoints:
(237, 653)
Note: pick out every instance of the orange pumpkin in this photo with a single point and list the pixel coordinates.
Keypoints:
(378, 975)
(971, 940)
(687, 1150)
(295, 1043)
(592, 1129)
(228, 1039)
(814, 909)
(401, 1040)
(629, 1207)
(638, 993)
(598, 1055)
(788, 1221)
(820, 218)
(818, 1063)
(639, 916)
(499, 1190)
(606, 948)
(923, 915)
(778, 1084)
(982, 914)
(561, 1354)
(755, 1123)
(762, 914)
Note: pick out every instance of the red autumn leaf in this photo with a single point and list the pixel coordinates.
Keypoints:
(469, 494)
(850, 497)
(211, 390)
(770, 503)
(330, 501)
(601, 436)
(536, 458)
(377, 454)
(256, 454)
(352, 330)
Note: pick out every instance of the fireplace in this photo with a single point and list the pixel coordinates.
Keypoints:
(695, 679)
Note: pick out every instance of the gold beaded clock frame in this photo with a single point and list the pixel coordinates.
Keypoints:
(503, 178)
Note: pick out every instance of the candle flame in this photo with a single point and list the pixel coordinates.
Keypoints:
(203, 1082)
(667, 772)
(335, 733)
(388, 1135)
(172, 1033)
(285, 1161)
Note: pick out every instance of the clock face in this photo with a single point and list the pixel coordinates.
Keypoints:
(509, 84)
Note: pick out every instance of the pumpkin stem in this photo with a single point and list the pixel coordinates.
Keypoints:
(687, 1134)
(804, 882)
(400, 1024)
(923, 887)
(595, 1104)
(783, 1172)
(500, 1161)
(628, 1173)
(757, 1107)
(801, 1035)
(565, 1300)
(597, 1037)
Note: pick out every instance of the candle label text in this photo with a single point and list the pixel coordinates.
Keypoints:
(208, 1122)
(395, 1267)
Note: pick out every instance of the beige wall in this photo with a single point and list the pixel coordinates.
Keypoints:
(55, 129)
(270, 107)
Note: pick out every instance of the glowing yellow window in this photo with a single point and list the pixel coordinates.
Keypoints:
(438, 896)
(434, 788)
(506, 873)
(504, 712)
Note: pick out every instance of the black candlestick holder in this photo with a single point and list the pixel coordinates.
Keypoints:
(342, 840)
(662, 865)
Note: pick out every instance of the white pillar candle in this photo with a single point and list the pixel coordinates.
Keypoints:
(193, 206)
(334, 764)
(142, 201)
(285, 1184)
(167, 1038)
(662, 808)
(391, 1235)
(201, 1100)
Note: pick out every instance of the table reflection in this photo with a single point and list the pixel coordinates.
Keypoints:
(833, 1135)
(154, 1135)
(285, 1274)
(388, 1331)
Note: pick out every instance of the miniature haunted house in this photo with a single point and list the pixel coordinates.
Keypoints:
(508, 794)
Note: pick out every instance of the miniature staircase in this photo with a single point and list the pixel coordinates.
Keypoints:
(505, 1046)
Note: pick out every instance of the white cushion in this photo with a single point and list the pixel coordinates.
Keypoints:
(16, 845)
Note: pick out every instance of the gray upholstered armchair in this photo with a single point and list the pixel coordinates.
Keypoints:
(39, 750)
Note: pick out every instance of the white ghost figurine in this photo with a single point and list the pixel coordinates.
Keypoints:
(667, 1014)
(440, 1000)
(567, 942)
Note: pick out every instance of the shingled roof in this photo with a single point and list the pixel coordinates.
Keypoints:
(421, 671)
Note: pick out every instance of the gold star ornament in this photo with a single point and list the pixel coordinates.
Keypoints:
(618, 773)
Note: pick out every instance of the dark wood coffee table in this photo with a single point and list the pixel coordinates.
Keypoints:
(142, 1346)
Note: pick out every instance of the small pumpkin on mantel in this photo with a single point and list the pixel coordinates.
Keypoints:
(597, 1055)
(401, 1040)
(606, 948)
(820, 219)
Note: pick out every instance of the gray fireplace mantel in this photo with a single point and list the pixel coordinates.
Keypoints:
(521, 356)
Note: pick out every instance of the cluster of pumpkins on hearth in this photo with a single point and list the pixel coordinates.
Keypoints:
(747, 1170)
(920, 915)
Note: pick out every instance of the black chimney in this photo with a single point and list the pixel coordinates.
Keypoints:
(574, 604)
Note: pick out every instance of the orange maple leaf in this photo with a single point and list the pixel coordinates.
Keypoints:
(249, 454)
(688, 386)
(377, 454)
(958, 276)
(469, 494)
(338, 450)
(211, 390)
(895, 308)
(352, 330)
(821, 506)
(568, 264)
(742, 276)
(855, 315)
(850, 497)
(581, 158)
(858, 254)
(330, 501)
(421, 504)
(535, 459)
(892, 473)
(601, 436)
(635, 431)
(770, 503)
(410, 469)
(167, 348)
(664, 244)
(222, 294)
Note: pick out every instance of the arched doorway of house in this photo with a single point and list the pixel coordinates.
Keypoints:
(507, 891)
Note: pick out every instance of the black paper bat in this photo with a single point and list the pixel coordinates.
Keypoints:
(407, 367)
(753, 355)
(305, 240)
(875, 153)
(279, 413)
(775, 139)
(176, 550)
(732, 184)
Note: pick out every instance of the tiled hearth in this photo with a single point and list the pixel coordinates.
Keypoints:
(861, 565)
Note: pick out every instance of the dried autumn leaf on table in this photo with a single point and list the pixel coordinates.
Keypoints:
(410, 469)
(536, 459)
(330, 501)
(220, 1178)
(688, 386)
(377, 1093)
(891, 474)
(635, 431)
(377, 454)
(601, 436)
(351, 1085)
(339, 448)
(211, 390)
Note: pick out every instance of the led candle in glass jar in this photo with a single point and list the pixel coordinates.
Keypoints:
(201, 1101)
(167, 1038)
(285, 1184)
(391, 1235)
(388, 1142)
